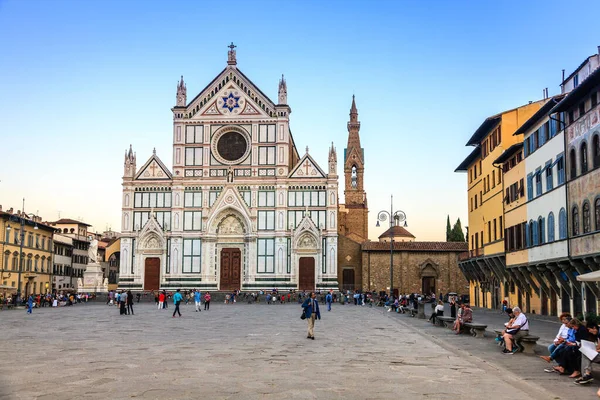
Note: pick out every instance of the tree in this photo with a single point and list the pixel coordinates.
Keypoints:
(448, 229)
(457, 234)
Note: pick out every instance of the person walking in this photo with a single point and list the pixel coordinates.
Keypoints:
(129, 302)
(30, 305)
(329, 300)
(123, 303)
(311, 312)
(207, 301)
(161, 300)
(197, 300)
(177, 298)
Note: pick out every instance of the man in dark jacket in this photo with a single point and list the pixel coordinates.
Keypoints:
(311, 312)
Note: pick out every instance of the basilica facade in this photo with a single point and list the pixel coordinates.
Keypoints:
(240, 209)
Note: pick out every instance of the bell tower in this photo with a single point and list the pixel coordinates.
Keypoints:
(356, 219)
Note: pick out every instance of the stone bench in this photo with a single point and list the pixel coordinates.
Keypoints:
(8, 306)
(439, 322)
(526, 344)
(447, 321)
(477, 330)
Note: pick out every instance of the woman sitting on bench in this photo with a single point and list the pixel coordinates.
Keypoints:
(465, 316)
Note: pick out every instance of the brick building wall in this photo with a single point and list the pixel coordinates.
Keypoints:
(349, 258)
(413, 261)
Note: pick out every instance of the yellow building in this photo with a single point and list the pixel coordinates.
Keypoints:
(112, 257)
(31, 238)
(515, 219)
(485, 264)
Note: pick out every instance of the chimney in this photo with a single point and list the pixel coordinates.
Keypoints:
(563, 79)
(598, 49)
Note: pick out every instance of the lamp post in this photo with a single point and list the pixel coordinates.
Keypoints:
(21, 220)
(396, 218)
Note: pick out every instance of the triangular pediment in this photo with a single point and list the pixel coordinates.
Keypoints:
(229, 199)
(231, 94)
(153, 169)
(307, 168)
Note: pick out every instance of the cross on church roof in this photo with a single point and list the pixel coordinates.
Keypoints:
(231, 55)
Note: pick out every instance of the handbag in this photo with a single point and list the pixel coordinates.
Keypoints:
(303, 316)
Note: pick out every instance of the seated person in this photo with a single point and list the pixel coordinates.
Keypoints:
(559, 342)
(437, 312)
(515, 330)
(569, 360)
(511, 319)
(465, 316)
(586, 363)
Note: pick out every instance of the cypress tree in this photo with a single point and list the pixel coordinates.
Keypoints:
(457, 234)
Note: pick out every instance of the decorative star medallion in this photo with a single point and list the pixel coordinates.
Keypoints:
(230, 102)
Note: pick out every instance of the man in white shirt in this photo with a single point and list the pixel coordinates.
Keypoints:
(516, 330)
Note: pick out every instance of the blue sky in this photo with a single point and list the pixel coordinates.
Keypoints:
(81, 80)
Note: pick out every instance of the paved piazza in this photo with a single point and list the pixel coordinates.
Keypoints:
(239, 351)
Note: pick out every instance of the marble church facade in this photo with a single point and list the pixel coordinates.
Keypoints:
(240, 208)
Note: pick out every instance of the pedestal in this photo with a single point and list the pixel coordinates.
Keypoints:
(421, 311)
(93, 280)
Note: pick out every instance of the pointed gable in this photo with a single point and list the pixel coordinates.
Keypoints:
(232, 94)
(228, 199)
(307, 168)
(154, 169)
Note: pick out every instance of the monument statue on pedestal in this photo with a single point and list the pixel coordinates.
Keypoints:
(93, 276)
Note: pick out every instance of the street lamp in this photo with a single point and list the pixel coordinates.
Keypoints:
(22, 221)
(396, 218)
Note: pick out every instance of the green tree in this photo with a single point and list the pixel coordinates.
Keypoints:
(448, 229)
(457, 234)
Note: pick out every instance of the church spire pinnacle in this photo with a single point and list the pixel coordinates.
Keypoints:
(181, 93)
(231, 60)
(282, 90)
(353, 126)
(332, 160)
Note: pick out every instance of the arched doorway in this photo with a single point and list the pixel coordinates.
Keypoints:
(429, 276)
(230, 277)
(230, 230)
(152, 273)
(348, 279)
(306, 273)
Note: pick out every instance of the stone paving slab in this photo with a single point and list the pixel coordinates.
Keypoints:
(249, 351)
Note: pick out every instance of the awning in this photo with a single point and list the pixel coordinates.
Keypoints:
(589, 277)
